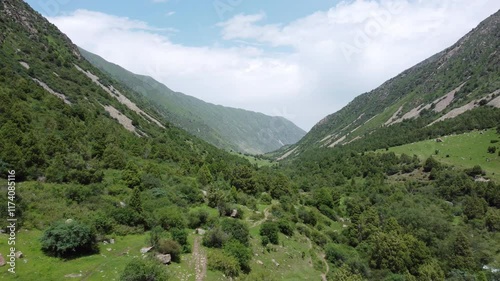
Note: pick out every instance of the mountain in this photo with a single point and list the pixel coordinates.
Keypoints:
(99, 186)
(464, 77)
(63, 120)
(225, 127)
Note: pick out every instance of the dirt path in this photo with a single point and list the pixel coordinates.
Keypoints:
(322, 257)
(200, 260)
(266, 216)
(323, 275)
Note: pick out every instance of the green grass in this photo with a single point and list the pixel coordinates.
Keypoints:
(107, 265)
(254, 160)
(463, 151)
(291, 265)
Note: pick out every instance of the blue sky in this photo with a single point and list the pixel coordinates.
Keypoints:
(195, 20)
(302, 60)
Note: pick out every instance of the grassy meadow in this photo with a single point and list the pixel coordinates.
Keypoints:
(463, 151)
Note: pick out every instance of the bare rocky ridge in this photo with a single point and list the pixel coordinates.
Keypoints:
(48, 89)
(122, 119)
(120, 97)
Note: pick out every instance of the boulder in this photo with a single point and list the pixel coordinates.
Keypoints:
(146, 249)
(73, 275)
(200, 231)
(111, 241)
(234, 213)
(165, 259)
(2, 260)
(19, 255)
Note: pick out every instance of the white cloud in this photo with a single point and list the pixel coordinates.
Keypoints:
(170, 13)
(334, 55)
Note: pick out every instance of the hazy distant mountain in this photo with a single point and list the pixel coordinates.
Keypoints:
(225, 127)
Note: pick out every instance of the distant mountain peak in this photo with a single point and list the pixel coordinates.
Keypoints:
(229, 128)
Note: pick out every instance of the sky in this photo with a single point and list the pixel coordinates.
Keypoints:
(302, 60)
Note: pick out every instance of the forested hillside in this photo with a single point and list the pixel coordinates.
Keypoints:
(462, 78)
(106, 190)
(225, 127)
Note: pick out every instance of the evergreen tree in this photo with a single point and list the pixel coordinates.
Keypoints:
(131, 175)
(461, 251)
(204, 175)
(135, 201)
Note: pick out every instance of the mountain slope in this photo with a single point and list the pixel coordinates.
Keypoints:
(99, 178)
(461, 78)
(225, 127)
(64, 121)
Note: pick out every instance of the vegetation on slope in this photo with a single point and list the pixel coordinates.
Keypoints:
(336, 214)
(229, 128)
(470, 67)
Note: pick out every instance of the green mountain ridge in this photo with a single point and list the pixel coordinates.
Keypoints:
(59, 110)
(229, 128)
(463, 77)
(107, 189)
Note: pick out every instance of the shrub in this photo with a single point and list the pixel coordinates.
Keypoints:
(493, 220)
(127, 216)
(179, 235)
(155, 236)
(140, 269)
(430, 164)
(102, 223)
(475, 171)
(474, 207)
(270, 230)
(191, 193)
(307, 217)
(149, 181)
(172, 248)
(171, 218)
(197, 218)
(492, 149)
(336, 254)
(264, 241)
(286, 227)
(239, 251)
(265, 198)
(114, 157)
(236, 229)
(215, 238)
(319, 238)
(69, 239)
(227, 264)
